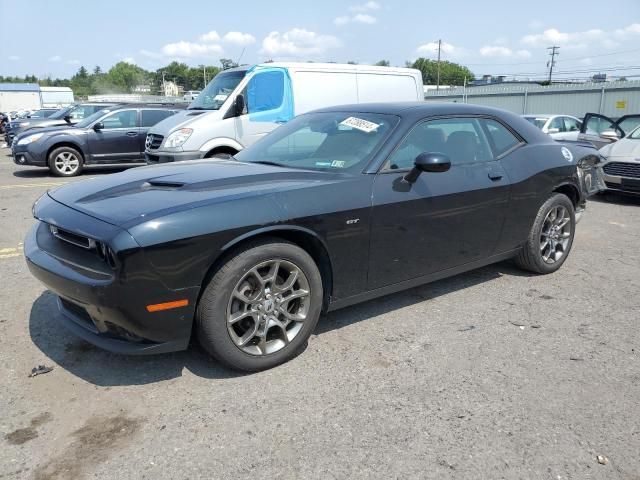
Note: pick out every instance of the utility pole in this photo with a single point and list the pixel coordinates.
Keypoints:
(164, 88)
(438, 80)
(552, 63)
(204, 74)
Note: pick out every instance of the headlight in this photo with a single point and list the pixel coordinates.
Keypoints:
(30, 139)
(177, 138)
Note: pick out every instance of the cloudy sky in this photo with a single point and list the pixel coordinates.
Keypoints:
(491, 36)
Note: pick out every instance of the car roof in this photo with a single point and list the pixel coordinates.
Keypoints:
(121, 106)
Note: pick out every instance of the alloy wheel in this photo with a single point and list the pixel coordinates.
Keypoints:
(66, 163)
(268, 307)
(555, 234)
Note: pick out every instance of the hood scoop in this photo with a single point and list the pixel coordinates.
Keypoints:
(164, 184)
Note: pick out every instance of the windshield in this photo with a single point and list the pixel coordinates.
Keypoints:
(635, 134)
(61, 113)
(538, 122)
(92, 118)
(217, 91)
(338, 141)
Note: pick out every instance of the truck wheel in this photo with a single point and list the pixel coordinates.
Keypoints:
(551, 236)
(259, 309)
(65, 162)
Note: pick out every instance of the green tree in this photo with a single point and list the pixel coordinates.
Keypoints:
(227, 63)
(126, 76)
(450, 73)
(383, 63)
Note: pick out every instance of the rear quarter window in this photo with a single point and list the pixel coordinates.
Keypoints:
(502, 140)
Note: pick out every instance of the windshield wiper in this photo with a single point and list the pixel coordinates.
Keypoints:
(197, 108)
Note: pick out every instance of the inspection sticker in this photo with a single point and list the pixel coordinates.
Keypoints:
(360, 124)
(338, 163)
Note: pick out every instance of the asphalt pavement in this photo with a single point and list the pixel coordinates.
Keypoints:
(491, 374)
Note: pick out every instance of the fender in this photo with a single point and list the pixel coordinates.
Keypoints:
(273, 228)
(220, 142)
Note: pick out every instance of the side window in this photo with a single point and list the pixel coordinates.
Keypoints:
(557, 123)
(596, 125)
(500, 137)
(151, 117)
(120, 119)
(571, 124)
(461, 139)
(265, 92)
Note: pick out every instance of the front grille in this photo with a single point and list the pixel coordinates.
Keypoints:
(72, 238)
(621, 169)
(154, 141)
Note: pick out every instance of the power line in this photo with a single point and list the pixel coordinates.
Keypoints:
(571, 59)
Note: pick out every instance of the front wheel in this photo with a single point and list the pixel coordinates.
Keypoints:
(261, 306)
(551, 236)
(65, 162)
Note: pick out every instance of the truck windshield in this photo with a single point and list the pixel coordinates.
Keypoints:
(218, 90)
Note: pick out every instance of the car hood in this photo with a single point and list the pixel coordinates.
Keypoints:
(33, 129)
(627, 147)
(141, 194)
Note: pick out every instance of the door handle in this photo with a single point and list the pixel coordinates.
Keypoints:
(132, 134)
(495, 176)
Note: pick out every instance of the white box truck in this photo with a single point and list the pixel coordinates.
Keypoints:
(242, 104)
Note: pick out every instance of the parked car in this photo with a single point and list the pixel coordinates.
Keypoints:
(601, 130)
(190, 95)
(240, 105)
(559, 127)
(111, 135)
(43, 113)
(622, 163)
(65, 117)
(336, 207)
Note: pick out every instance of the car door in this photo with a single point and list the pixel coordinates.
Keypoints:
(148, 118)
(267, 105)
(594, 125)
(444, 219)
(117, 140)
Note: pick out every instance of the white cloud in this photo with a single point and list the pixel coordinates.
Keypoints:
(239, 38)
(504, 52)
(365, 7)
(298, 42)
(184, 49)
(594, 37)
(361, 15)
(431, 48)
(210, 37)
(55, 58)
(13, 58)
(365, 18)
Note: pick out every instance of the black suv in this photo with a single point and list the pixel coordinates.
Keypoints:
(114, 134)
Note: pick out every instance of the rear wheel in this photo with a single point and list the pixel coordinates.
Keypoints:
(65, 162)
(551, 236)
(261, 306)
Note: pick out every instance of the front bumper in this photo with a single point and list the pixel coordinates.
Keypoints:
(153, 157)
(21, 156)
(102, 305)
(623, 183)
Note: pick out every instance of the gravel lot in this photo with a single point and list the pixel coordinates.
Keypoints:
(491, 374)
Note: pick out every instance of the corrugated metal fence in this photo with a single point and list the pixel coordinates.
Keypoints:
(613, 99)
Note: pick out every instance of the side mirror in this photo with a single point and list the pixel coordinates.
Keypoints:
(98, 126)
(238, 105)
(553, 130)
(428, 162)
(610, 135)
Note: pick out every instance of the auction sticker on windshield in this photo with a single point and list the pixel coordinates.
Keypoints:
(360, 124)
(221, 97)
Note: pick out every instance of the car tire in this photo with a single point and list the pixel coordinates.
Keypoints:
(65, 162)
(551, 236)
(240, 288)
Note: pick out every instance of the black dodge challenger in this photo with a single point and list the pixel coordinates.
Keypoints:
(338, 206)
